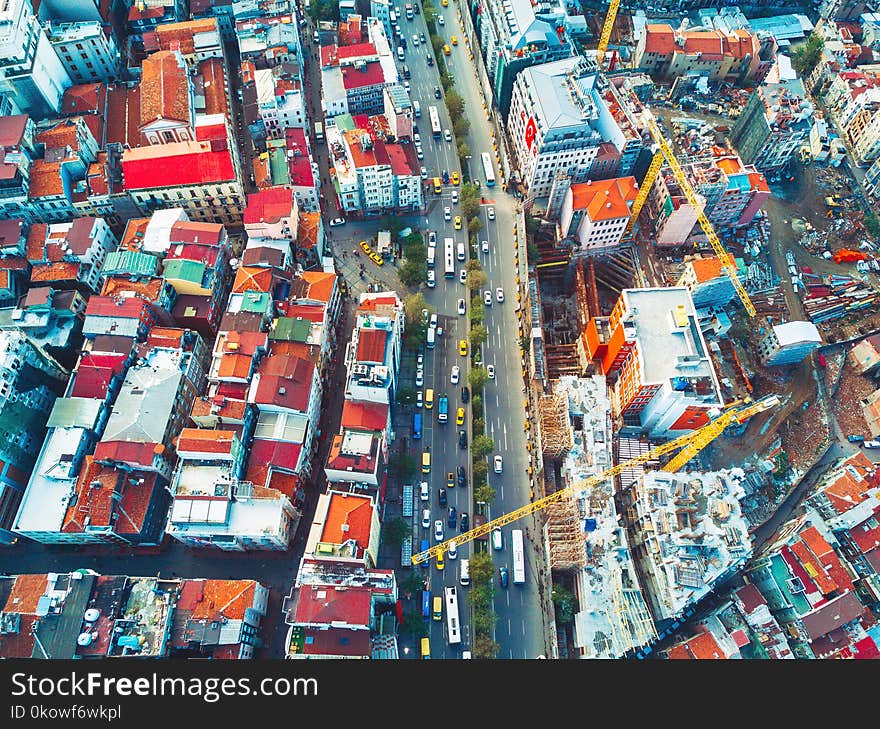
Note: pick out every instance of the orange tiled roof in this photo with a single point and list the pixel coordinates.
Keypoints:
(203, 440)
(133, 236)
(362, 157)
(659, 38)
(25, 594)
(729, 165)
(846, 491)
(232, 410)
(132, 508)
(706, 268)
(36, 242)
(214, 85)
(62, 134)
(46, 179)
(320, 284)
(307, 234)
(148, 290)
(227, 598)
(705, 647)
(164, 89)
(124, 117)
(60, 271)
(605, 199)
(757, 181)
(181, 36)
(350, 510)
(296, 350)
(252, 278)
(94, 503)
(234, 365)
(709, 43)
(165, 337)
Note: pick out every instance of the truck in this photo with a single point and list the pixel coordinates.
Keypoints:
(319, 132)
(443, 409)
(856, 438)
(383, 243)
(409, 11)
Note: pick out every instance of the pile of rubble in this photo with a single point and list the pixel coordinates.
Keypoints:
(847, 405)
(805, 441)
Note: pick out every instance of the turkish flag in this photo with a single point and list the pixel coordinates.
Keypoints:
(531, 132)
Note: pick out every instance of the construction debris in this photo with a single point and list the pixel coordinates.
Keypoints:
(556, 433)
(835, 295)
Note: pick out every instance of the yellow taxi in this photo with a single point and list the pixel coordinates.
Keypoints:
(440, 564)
(462, 347)
(445, 3)
(459, 416)
(429, 399)
(457, 222)
(426, 462)
(446, 50)
(455, 178)
(455, 40)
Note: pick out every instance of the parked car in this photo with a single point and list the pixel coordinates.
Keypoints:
(337, 221)
(462, 276)
(419, 399)
(424, 492)
(426, 518)
(420, 377)
(432, 280)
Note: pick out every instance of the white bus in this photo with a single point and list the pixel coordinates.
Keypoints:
(449, 258)
(435, 121)
(488, 170)
(453, 627)
(432, 256)
(519, 557)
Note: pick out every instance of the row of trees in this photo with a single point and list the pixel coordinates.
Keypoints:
(480, 594)
(414, 268)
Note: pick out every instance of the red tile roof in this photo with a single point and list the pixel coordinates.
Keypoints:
(241, 342)
(62, 134)
(124, 115)
(325, 604)
(55, 272)
(21, 643)
(252, 278)
(275, 453)
(84, 98)
(750, 597)
(358, 50)
(337, 642)
(128, 308)
(12, 129)
(813, 567)
(703, 646)
(314, 313)
(320, 284)
(224, 598)
(282, 392)
(847, 490)
(215, 86)
(180, 36)
(364, 416)
(299, 164)
(867, 534)
(126, 452)
(349, 517)
(358, 78)
(660, 39)
(164, 89)
(202, 440)
(371, 345)
(178, 163)
(605, 199)
(189, 231)
(148, 290)
(92, 381)
(26, 594)
(399, 163)
(234, 365)
(270, 205)
(307, 234)
(228, 408)
(709, 43)
(46, 179)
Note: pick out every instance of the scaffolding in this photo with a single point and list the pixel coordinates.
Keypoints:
(567, 549)
(556, 434)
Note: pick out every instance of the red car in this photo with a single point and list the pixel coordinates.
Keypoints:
(821, 359)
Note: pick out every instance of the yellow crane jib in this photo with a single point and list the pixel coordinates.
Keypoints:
(693, 441)
(645, 189)
(607, 27)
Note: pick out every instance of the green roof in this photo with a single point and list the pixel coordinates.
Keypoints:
(182, 270)
(291, 329)
(130, 262)
(74, 412)
(278, 162)
(257, 302)
(345, 122)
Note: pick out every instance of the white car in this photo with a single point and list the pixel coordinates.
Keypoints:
(419, 399)
(462, 276)
(426, 518)
(420, 360)
(424, 173)
(438, 530)
(484, 246)
(440, 20)
(432, 238)
(406, 85)
(487, 297)
(419, 153)
(447, 135)
(454, 197)
(461, 306)
(432, 322)
(417, 137)
(456, 371)
(337, 221)
(415, 39)
(490, 371)
(498, 463)
(424, 493)
(499, 295)
(432, 281)
(453, 551)
(420, 377)
(447, 213)
(491, 213)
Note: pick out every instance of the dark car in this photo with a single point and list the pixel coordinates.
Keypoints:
(462, 439)
(502, 575)
(465, 394)
(452, 514)
(462, 477)
(437, 93)
(430, 61)
(441, 497)
(464, 522)
(403, 42)
(445, 177)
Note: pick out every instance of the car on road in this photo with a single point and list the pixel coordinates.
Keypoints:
(502, 576)
(420, 377)
(424, 492)
(491, 213)
(422, 38)
(426, 462)
(438, 530)
(419, 399)
(462, 439)
(430, 59)
(497, 539)
(461, 307)
(441, 497)
(487, 298)
(445, 4)
(429, 399)
(462, 347)
(484, 246)
(447, 135)
(337, 221)
(439, 561)
(446, 51)
(465, 394)
(407, 86)
(462, 477)
(437, 93)
(457, 221)
(459, 416)
(499, 464)
(456, 371)
(855, 438)
(415, 39)
(499, 295)
(462, 276)
(453, 551)
(417, 137)
(432, 322)
(426, 518)
(490, 371)
(432, 280)
(440, 20)
(454, 192)
(451, 516)
(465, 522)
(424, 172)
(450, 480)
(445, 177)
(447, 213)
(419, 153)
(432, 238)
(455, 178)
(455, 40)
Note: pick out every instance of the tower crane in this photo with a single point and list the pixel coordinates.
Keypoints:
(607, 27)
(690, 443)
(664, 152)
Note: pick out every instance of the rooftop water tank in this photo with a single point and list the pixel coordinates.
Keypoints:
(91, 615)
(84, 639)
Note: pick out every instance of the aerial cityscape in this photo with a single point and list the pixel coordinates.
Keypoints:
(445, 329)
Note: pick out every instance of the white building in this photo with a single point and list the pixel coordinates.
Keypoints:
(597, 213)
(281, 103)
(32, 74)
(789, 343)
(345, 175)
(372, 357)
(380, 9)
(84, 241)
(87, 51)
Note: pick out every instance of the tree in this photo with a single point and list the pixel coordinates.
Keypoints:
(477, 404)
(484, 621)
(482, 569)
(437, 45)
(324, 10)
(477, 378)
(475, 225)
(413, 624)
(402, 465)
(413, 239)
(455, 104)
(805, 57)
(394, 531)
(479, 597)
(412, 273)
(485, 647)
(463, 150)
(476, 280)
(473, 265)
(484, 493)
(478, 426)
(565, 602)
(478, 335)
(478, 309)
(406, 396)
(430, 13)
(460, 126)
(469, 200)
(872, 225)
(482, 445)
(413, 306)
(413, 582)
(532, 224)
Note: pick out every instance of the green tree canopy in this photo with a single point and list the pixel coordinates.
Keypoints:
(455, 104)
(475, 225)
(413, 624)
(464, 150)
(460, 126)
(805, 57)
(469, 200)
(485, 647)
(406, 396)
(413, 306)
(412, 272)
(394, 531)
(476, 280)
(413, 581)
(484, 493)
(482, 569)
(478, 335)
(532, 224)
(482, 445)
(564, 602)
(477, 378)
(473, 265)
(402, 465)
(872, 225)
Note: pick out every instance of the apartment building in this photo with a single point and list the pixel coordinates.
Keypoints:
(788, 343)
(595, 214)
(195, 40)
(89, 50)
(70, 255)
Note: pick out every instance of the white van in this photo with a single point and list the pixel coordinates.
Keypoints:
(400, 55)
(465, 577)
(460, 254)
(497, 540)
(417, 109)
(432, 332)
